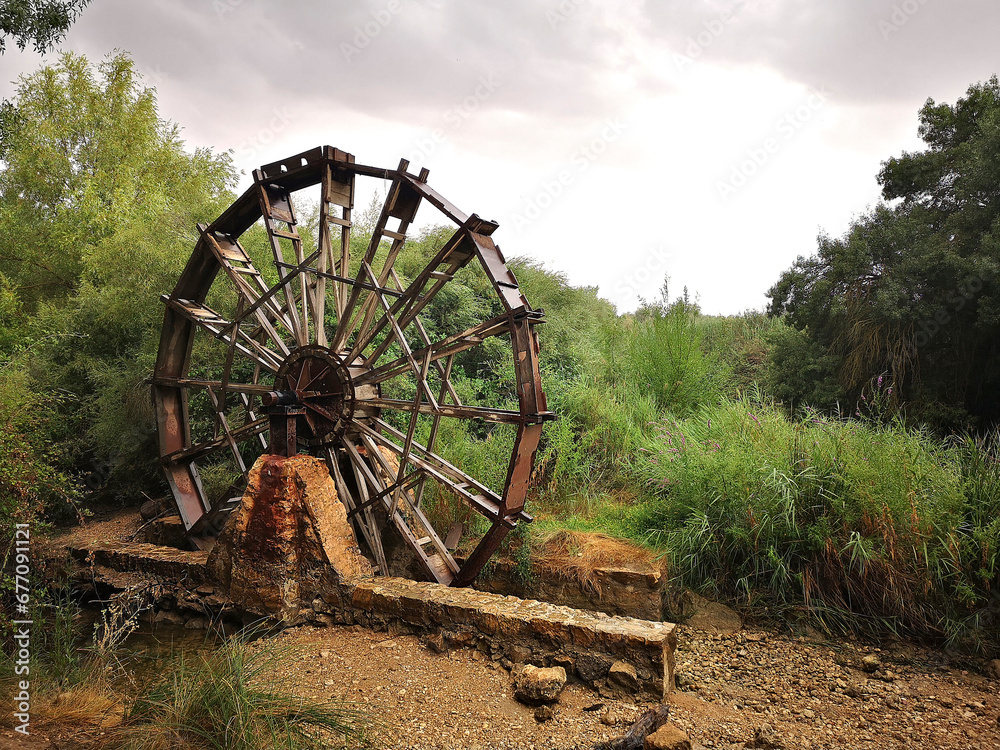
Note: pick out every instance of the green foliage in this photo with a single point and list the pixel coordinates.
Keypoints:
(235, 698)
(31, 485)
(911, 291)
(41, 22)
(862, 525)
(799, 371)
(98, 206)
(743, 344)
(662, 349)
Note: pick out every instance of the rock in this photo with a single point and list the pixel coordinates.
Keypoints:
(608, 718)
(870, 663)
(592, 666)
(544, 713)
(854, 690)
(152, 508)
(435, 642)
(667, 737)
(993, 669)
(519, 654)
(685, 681)
(459, 638)
(765, 738)
(704, 614)
(289, 534)
(167, 617)
(623, 675)
(565, 661)
(534, 685)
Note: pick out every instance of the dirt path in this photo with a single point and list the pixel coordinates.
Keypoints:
(810, 695)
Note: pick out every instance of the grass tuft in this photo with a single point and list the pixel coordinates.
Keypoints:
(236, 698)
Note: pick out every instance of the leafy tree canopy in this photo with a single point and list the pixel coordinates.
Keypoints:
(99, 202)
(41, 22)
(911, 292)
(87, 161)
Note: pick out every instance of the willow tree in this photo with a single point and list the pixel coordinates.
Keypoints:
(98, 205)
(910, 293)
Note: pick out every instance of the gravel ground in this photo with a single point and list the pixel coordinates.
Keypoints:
(833, 695)
(750, 687)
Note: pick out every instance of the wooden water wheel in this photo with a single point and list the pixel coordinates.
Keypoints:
(296, 317)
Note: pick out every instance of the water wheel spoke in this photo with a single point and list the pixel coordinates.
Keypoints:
(444, 372)
(276, 206)
(201, 384)
(208, 447)
(224, 330)
(219, 405)
(328, 339)
(454, 255)
(446, 347)
(361, 515)
(345, 326)
(337, 191)
(410, 520)
(249, 285)
(486, 413)
(476, 495)
(419, 371)
(372, 478)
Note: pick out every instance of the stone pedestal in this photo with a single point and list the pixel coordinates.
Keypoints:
(289, 542)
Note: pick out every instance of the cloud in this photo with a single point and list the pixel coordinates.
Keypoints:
(865, 52)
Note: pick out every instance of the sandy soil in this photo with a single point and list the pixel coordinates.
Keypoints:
(785, 692)
(811, 695)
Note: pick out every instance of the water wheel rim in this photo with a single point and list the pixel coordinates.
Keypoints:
(289, 319)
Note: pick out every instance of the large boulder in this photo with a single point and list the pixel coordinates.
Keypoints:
(534, 685)
(289, 541)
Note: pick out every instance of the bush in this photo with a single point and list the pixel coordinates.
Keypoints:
(862, 525)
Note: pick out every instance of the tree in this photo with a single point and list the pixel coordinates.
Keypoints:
(41, 22)
(911, 291)
(99, 202)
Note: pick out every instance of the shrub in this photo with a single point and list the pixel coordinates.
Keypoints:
(862, 525)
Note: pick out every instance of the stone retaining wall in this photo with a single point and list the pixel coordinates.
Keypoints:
(616, 590)
(617, 656)
(613, 654)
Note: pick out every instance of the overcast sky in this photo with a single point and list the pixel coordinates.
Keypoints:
(613, 140)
